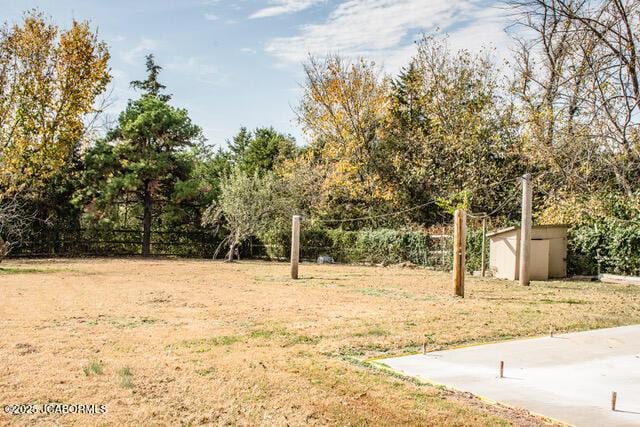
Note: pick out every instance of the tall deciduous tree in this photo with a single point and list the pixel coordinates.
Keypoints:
(341, 110)
(49, 81)
(449, 131)
(140, 158)
(578, 80)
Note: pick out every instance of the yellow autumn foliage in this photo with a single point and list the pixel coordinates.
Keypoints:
(49, 81)
(341, 111)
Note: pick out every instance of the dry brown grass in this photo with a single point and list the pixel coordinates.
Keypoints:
(189, 342)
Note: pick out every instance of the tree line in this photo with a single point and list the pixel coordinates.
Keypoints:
(452, 129)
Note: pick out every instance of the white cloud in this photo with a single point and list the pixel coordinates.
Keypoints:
(282, 7)
(211, 17)
(135, 54)
(488, 29)
(119, 74)
(384, 30)
(247, 50)
(196, 68)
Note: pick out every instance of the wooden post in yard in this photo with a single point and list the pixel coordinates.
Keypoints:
(459, 239)
(483, 267)
(614, 398)
(443, 248)
(525, 230)
(295, 246)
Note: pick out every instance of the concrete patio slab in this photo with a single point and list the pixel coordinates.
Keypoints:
(567, 377)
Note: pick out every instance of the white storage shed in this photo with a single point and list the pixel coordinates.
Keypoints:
(548, 252)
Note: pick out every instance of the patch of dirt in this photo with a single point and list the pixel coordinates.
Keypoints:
(25, 348)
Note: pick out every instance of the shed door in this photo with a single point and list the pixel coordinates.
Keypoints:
(539, 261)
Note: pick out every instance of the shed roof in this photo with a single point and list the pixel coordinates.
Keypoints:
(509, 229)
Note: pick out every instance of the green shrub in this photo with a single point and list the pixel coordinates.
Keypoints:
(277, 244)
(393, 246)
(613, 244)
(373, 246)
(473, 250)
(343, 246)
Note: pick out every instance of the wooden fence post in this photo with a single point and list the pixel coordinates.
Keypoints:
(295, 246)
(459, 239)
(525, 230)
(614, 399)
(483, 261)
(443, 248)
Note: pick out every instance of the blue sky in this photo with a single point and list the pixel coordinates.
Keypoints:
(235, 63)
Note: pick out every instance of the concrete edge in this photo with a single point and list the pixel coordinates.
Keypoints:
(486, 400)
(475, 344)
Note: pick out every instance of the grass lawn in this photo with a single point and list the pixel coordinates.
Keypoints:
(191, 342)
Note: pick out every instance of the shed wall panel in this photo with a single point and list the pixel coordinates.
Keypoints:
(505, 247)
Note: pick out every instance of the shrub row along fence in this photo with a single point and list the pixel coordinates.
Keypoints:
(367, 246)
(379, 246)
(608, 246)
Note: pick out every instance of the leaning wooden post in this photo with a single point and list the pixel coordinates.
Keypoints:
(459, 238)
(295, 246)
(525, 230)
(483, 267)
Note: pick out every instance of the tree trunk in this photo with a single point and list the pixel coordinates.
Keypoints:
(233, 245)
(232, 248)
(146, 222)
